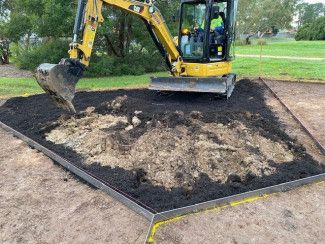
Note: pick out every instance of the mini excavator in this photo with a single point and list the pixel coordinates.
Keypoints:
(199, 59)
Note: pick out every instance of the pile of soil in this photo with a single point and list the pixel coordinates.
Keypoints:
(169, 150)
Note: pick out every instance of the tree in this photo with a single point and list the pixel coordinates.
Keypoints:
(122, 36)
(4, 7)
(122, 32)
(4, 42)
(308, 13)
(261, 16)
(312, 31)
(45, 18)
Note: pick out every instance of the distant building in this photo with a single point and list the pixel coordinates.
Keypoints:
(287, 33)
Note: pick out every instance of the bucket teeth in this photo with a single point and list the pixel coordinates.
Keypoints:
(59, 81)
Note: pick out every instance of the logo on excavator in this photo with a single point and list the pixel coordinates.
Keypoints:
(136, 8)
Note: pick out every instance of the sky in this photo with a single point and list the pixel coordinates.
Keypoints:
(314, 1)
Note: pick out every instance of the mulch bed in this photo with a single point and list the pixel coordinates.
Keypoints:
(36, 116)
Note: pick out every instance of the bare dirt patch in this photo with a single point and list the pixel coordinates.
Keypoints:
(13, 72)
(42, 203)
(307, 100)
(290, 217)
(173, 150)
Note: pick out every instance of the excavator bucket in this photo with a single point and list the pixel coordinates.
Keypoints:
(218, 85)
(59, 81)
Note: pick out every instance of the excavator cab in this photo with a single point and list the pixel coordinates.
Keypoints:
(200, 61)
(206, 36)
(201, 42)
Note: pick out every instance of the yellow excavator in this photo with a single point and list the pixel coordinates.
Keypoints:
(199, 59)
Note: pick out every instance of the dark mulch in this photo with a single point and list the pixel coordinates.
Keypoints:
(32, 114)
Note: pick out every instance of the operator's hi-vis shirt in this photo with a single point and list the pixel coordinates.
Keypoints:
(214, 23)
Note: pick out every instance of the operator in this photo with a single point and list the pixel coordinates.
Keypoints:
(216, 22)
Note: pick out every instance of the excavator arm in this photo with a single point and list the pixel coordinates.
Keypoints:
(59, 80)
(152, 17)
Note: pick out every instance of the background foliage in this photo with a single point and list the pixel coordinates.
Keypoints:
(312, 31)
(262, 16)
(40, 30)
(308, 13)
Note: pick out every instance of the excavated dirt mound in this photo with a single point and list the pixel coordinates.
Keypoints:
(172, 156)
(169, 150)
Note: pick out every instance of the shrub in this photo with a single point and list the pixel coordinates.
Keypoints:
(49, 52)
(240, 42)
(100, 66)
(132, 64)
(135, 63)
(312, 31)
(261, 42)
(243, 42)
(303, 33)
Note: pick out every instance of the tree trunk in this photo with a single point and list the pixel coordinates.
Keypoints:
(128, 35)
(110, 46)
(4, 51)
(5, 57)
(247, 40)
(28, 41)
(121, 35)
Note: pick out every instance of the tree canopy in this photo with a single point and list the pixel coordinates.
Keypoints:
(45, 18)
(308, 13)
(261, 16)
(121, 36)
(312, 31)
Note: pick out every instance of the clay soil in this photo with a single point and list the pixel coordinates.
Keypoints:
(172, 150)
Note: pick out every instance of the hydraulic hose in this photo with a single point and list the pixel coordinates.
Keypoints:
(78, 19)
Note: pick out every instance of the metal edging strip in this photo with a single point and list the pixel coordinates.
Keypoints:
(82, 174)
(227, 200)
(166, 215)
(268, 190)
(319, 145)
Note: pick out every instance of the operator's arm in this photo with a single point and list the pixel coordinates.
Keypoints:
(147, 11)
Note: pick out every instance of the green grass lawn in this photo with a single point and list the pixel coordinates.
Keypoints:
(244, 67)
(117, 82)
(25, 86)
(18, 87)
(311, 49)
(280, 68)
